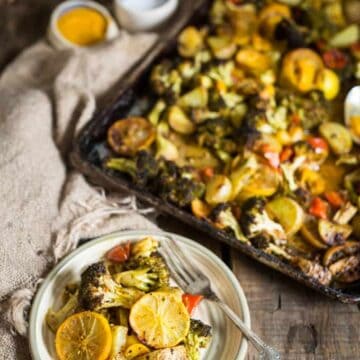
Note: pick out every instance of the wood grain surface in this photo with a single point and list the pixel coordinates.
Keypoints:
(297, 321)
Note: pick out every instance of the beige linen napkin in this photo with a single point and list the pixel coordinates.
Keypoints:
(46, 96)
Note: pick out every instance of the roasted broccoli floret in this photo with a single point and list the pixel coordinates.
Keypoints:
(143, 279)
(55, 318)
(150, 272)
(156, 112)
(144, 247)
(289, 170)
(142, 169)
(166, 81)
(99, 291)
(255, 221)
(254, 125)
(177, 185)
(223, 218)
(199, 337)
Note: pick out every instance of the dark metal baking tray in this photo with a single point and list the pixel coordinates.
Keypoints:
(90, 149)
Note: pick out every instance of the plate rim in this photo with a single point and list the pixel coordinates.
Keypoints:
(192, 243)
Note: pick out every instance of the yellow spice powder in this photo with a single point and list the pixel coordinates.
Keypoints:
(83, 26)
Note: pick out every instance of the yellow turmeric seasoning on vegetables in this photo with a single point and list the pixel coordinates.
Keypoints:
(83, 26)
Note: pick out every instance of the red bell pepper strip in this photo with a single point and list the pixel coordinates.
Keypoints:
(191, 301)
(318, 208)
(318, 143)
(335, 199)
(119, 253)
(286, 154)
(335, 59)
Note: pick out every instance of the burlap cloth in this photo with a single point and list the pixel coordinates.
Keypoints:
(46, 96)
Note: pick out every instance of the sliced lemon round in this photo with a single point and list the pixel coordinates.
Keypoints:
(288, 213)
(264, 182)
(160, 319)
(83, 336)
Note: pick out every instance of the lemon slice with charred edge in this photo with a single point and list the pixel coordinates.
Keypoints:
(83, 336)
(288, 213)
(160, 319)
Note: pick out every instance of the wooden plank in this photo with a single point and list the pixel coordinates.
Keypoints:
(170, 224)
(300, 323)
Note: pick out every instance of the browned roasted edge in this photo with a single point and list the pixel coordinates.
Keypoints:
(98, 176)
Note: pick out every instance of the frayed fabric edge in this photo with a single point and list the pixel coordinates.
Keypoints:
(98, 209)
(17, 308)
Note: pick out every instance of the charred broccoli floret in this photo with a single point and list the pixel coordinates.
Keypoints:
(199, 337)
(177, 185)
(143, 279)
(144, 247)
(288, 31)
(255, 221)
(223, 218)
(254, 125)
(166, 81)
(157, 275)
(142, 169)
(99, 291)
(55, 318)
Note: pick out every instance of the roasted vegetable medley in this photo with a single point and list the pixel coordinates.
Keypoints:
(124, 308)
(246, 131)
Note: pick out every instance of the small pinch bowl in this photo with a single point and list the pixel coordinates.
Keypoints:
(59, 41)
(135, 17)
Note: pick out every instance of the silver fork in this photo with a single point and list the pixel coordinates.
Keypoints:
(193, 281)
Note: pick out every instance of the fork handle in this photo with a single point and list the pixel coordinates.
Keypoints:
(266, 352)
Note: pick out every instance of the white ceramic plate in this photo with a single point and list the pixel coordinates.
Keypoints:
(227, 342)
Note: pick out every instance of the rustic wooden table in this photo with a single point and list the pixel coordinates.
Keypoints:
(297, 321)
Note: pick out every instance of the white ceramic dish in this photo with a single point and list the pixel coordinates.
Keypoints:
(227, 342)
(59, 41)
(143, 15)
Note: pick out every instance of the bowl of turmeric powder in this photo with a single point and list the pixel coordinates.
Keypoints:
(79, 24)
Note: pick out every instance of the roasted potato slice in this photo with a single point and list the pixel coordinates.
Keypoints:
(343, 266)
(351, 275)
(333, 234)
(253, 61)
(196, 98)
(128, 136)
(314, 270)
(309, 232)
(175, 353)
(190, 42)
(223, 47)
(336, 253)
(338, 137)
(179, 121)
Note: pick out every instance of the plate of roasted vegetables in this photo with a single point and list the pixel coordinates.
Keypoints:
(114, 299)
(241, 129)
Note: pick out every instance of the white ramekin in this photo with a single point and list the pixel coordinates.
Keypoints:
(59, 41)
(134, 16)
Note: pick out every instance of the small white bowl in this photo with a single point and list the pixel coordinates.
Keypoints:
(143, 15)
(59, 41)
